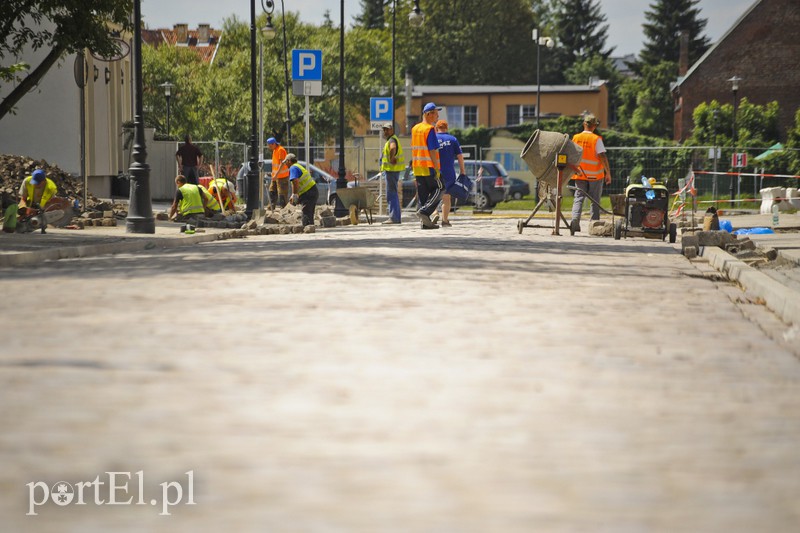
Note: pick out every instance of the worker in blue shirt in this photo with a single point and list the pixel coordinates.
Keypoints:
(449, 152)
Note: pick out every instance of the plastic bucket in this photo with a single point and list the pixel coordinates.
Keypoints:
(540, 154)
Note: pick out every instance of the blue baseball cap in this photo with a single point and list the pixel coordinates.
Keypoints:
(37, 177)
(430, 106)
(272, 140)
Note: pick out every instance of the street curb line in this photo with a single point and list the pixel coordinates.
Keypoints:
(783, 301)
(133, 244)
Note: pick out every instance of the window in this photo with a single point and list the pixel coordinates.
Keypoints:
(462, 116)
(517, 114)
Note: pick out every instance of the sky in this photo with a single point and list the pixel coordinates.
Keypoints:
(624, 17)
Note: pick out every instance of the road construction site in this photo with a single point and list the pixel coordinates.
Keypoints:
(384, 378)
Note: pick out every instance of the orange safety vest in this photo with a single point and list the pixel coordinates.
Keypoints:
(278, 155)
(590, 163)
(422, 159)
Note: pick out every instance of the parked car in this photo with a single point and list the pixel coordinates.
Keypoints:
(518, 189)
(326, 184)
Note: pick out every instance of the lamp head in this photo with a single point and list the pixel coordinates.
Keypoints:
(268, 31)
(416, 18)
(735, 82)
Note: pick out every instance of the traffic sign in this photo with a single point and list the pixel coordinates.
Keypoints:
(739, 160)
(307, 65)
(381, 110)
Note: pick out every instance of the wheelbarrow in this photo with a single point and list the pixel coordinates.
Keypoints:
(357, 199)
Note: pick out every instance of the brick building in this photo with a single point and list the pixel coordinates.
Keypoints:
(762, 48)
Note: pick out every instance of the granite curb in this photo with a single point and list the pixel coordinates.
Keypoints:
(138, 244)
(780, 299)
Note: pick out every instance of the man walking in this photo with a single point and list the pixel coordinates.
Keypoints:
(594, 171)
(425, 164)
(279, 184)
(449, 151)
(392, 162)
(189, 157)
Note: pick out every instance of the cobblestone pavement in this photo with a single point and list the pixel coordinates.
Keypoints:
(384, 378)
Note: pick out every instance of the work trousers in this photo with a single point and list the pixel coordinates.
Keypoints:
(429, 193)
(309, 202)
(191, 175)
(392, 197)
(592, 189)
(279, 191)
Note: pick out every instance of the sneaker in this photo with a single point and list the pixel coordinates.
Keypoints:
(432, 226)
(446, 223)
(575, 225)
(435, 218)
(390, 221)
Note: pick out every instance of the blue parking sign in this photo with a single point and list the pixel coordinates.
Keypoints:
(381, 109)
(307, 65)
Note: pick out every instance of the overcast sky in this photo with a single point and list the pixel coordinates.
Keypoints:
(625, 17)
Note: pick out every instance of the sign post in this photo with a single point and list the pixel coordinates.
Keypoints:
(307, 77)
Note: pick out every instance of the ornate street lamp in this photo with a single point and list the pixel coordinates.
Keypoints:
(167, 86)
(252, 186)
(549, 43)
(416, 17)
(734, 81)
(341, 181)
(269, 7)
(140, 208)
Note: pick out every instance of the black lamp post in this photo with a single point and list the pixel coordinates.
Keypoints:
(394, 9)
(140, 208)
(269, 7)
(716, 157)
(735, 87)
(168, 94)
(549, 43)
(341, 181)
(252, 172)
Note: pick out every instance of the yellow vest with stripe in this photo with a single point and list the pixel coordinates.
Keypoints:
(385, 160)
(422, 159)
(590, 163)
(221, 185)
(191, 203)
(305, 181)
(50, 190)
(211, 202)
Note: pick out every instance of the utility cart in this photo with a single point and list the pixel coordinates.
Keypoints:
(643, 211)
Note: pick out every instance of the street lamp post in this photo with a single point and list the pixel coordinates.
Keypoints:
(341, 181)
(394, 9)
(269, 7)
(252, 172)
(735, 87)
(716, 157)
(167, 86)
(549, 43)
(140, 208)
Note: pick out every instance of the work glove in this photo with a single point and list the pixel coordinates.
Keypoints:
(294, 199)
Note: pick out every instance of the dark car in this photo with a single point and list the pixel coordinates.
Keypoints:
(519, 189)
(491, 183)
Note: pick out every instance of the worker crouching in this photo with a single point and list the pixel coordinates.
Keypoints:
(191, 201)
(304, 189)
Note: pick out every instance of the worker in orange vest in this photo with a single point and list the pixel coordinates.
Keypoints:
(594, 171)
(279, 184)
(426, 166)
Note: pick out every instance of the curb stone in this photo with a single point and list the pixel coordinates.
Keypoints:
(782, 300)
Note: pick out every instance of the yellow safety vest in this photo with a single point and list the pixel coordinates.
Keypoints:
(50, 190)
(191, 203)
(305, 181)
(211, 202)
(221, 185)
(422, 159)
(590, 162)
(401, 161)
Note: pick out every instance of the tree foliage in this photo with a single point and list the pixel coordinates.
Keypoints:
(372, 14)
(646, 102)
(58, 26)
(667, 19)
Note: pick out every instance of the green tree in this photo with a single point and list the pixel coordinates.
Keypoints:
(580, 32)
(646, 107)
(756, 125)
(601, 68)
(372, 14)
(667, 19)
(59, 26)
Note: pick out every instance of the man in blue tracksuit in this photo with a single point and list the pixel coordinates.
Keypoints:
(449, 152)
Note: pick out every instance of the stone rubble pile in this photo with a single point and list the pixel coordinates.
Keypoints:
(740, 247)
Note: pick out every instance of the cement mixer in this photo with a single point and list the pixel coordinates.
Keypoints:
(553, 159)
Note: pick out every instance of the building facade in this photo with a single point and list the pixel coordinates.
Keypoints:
(762, 48)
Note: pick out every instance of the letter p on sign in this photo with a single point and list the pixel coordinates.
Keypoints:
(307, 65)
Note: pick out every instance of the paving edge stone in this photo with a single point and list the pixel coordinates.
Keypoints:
(135, 244)
(782, 300)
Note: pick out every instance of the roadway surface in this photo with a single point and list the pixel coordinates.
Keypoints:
(384, 378)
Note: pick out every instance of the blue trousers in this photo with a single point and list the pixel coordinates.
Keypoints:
(392, 197)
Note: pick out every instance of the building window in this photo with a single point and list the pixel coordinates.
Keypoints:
(517, 114)
(462, 116)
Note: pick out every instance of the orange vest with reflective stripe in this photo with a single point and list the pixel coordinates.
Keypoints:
(590, 162)
(422, 159)
(278, 155)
